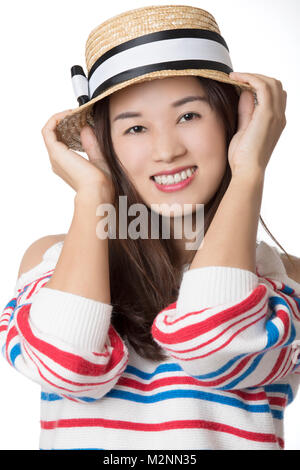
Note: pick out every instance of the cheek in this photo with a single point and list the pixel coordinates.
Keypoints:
(209, 145)
(209, 140)
(210, 149)
(133, 158)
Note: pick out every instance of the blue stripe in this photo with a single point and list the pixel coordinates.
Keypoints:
(245, 374)
(287, 290)
(176, 368)
(278, 414)
(15, 352)
(170, 367)
(50, 396)
(273, 334)
(273, 337)
(12, 303)
(87, 399)
(201, 395)
(196, 394)
(220, 371)
(53, 397)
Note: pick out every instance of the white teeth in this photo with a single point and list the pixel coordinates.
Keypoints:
(171, 179)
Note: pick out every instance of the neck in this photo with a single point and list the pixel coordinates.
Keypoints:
(189, 229)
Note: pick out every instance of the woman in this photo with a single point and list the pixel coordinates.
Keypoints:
(144, 343)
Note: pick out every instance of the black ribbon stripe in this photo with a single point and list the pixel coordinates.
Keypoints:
(175, 65)
(159, 36)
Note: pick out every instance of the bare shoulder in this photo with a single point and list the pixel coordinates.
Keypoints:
(293, 270)
(34, 253)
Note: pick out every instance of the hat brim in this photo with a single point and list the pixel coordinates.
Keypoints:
(68, 129)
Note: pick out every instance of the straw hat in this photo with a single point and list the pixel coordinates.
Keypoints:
(145, 44)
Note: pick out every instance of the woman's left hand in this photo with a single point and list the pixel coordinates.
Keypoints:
(259, 126)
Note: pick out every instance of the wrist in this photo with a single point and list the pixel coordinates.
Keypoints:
(92, 194)
(249, 178)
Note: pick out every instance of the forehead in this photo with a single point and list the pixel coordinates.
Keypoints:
(166, 89)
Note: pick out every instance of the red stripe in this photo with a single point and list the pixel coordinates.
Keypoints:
(68, 360)
(183, 317)
(170, 307)
(58, 388)
(219, 347)
(36, 285)
(145, 387)
(3, 328)
(231, 375)
(239, 367)
(52, 384)
(85, 384)
(279, 401)
(248, 396)
(272, 377)
(289, 365)
(280, 442)
(178, 424)
(46, 274)
(183, 351)
(191, 331)
(251, 298)
(155, 384)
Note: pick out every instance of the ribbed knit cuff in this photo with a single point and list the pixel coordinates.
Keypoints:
(78, 321)
(210, 286)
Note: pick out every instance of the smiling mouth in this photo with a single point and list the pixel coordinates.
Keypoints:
(194, 168)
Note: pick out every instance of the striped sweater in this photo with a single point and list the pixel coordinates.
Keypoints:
(231, 369)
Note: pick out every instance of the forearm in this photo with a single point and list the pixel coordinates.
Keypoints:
(83, 265)
(231, 237)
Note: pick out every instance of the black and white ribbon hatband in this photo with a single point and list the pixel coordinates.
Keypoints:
(177, 49)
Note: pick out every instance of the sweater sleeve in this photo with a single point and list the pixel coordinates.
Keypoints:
(231, 329)
(64, 342)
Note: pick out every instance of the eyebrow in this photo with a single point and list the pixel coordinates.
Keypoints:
(187, 99)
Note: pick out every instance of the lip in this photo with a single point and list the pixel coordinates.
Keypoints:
(172, 172)
(168, 188)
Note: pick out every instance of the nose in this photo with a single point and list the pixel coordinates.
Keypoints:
(167, 147)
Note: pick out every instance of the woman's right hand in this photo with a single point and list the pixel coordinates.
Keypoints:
(75, 170)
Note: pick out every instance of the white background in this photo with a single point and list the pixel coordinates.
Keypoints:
(40, 41)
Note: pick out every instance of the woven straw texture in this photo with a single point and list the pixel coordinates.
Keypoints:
(124, 27)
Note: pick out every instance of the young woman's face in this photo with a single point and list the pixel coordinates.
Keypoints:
(161, 135)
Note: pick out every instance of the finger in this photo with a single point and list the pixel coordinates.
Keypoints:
(91, 147)
(284, 98)
(267, 94)
(245, 109)
(51, 123)
(270, 80)
(279, 93)
(48, 131)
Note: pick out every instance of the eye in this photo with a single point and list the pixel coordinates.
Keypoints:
(190, 114)
(139, 127)
(134, 127)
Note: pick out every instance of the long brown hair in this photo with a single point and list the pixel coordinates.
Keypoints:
(145, 274)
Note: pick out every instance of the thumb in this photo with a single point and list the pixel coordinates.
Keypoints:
(88, 139)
